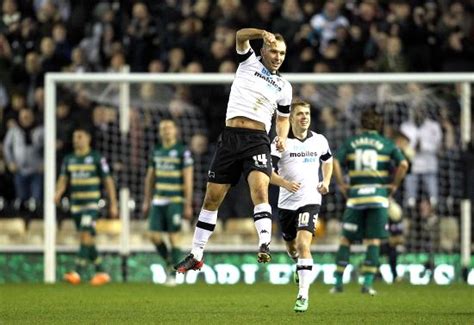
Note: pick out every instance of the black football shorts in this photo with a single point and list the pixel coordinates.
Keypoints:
(292, 221)
(240, 151)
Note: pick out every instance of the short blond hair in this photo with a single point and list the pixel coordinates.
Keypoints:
(298, 102)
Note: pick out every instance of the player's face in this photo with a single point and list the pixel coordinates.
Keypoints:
(168, 131)
(273, 55)
(80, 140)
(300, 118)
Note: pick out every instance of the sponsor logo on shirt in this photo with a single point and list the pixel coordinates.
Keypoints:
(268, 79)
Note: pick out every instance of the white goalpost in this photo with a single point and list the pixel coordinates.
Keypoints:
(124, 80)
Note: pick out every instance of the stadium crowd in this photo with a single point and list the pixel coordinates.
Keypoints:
(40, 36)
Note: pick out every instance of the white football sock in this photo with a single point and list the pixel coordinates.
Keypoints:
(262, 214)
(304, 269)
(204, 229)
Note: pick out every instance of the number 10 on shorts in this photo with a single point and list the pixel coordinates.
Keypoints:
(303, 219)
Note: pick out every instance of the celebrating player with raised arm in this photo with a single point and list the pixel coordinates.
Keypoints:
(244, 146)
(300, 196)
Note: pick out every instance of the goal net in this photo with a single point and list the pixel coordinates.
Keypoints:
(427, 116)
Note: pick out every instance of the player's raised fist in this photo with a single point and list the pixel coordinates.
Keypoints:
(268, 37)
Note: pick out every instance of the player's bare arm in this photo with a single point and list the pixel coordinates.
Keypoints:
(188, 192)
(282, 128)
(112, 195)
(286, 184)
(60, 189)
(149, 181)
(327, 168)
(244, 35)
(399, 175)
(338, 175)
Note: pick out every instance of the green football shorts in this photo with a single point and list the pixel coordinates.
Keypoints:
(166, 218)
(85, 221)
(370, 223)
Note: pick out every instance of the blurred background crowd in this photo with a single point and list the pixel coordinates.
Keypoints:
(196, 36)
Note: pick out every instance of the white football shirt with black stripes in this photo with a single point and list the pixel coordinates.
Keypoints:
(256, 93)
(300, 163)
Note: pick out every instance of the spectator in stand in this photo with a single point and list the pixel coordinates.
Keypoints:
(219, 52)
(263, 14)
(290, 21)
(176, 60)
(26, 40)
(365, 16)
(82, 108)
(142, 33)
(11, 18)
(156, 66)
(117, 63)
(47, 14)
(425, 138)
(331, 57)
(326, 23)
(96, 44)
(202, 10)
(231, 11)
(38, 105)
(29, 76)
(23, 150)
(458, 53)
(62, 46)
(12, 110)
(6, 57)
(78, 61)
(391, 58)
(190, 37)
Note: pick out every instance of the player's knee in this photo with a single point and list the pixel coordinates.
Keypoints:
(259, 194)
(86, 238)
(174, 239)
(345, 241)
(210, 203)
(155, 238)
(372, 241)
(212, 200)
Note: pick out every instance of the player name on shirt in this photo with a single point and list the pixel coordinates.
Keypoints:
(367, 142)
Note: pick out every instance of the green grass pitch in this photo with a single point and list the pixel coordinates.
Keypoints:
(238, 304)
